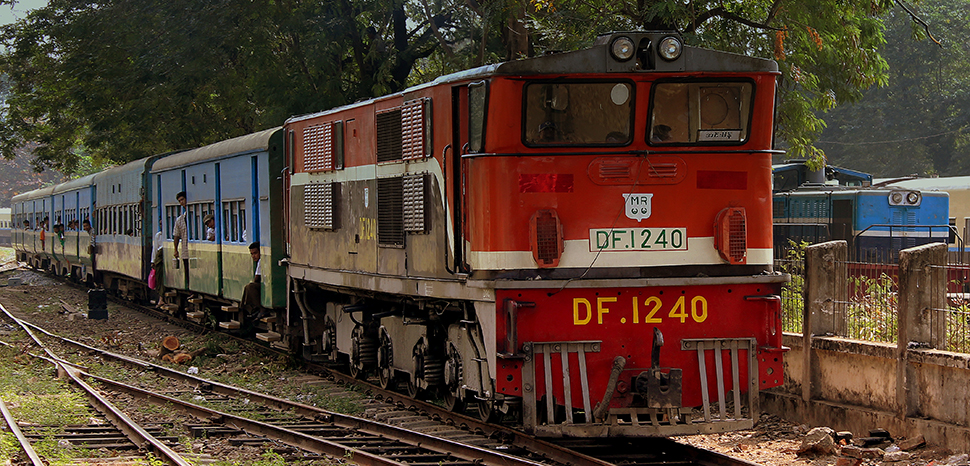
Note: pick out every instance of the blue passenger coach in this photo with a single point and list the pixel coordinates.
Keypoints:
(73, 203)
(31, 243)
(238, 181)
(123, 238)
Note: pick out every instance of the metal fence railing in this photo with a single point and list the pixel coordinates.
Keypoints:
(792, 296)
(956, 314)
(870, 309)
(872, 302)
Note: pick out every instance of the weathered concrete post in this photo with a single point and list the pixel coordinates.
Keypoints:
(921, 318)
(825, 295)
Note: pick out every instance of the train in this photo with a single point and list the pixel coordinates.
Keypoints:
(5, 227)
(579, 244)
(958, 189)
(876, 220)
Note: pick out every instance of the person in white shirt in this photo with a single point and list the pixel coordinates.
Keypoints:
(181, 237)
(158, 242)
(251, 303)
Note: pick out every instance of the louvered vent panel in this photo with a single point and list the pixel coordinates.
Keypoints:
(415, 202)
(313, 148)
(390, 211)
(319, 205)
(412, 130)
(389, 136)
(328, 146)
(738, 236)
(618, 170)
(662, 170)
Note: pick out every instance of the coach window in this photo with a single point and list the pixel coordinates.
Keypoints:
(700, 113)
(234, 221)
(577, 113)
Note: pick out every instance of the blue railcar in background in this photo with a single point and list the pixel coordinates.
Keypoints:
(876, 223)
(791, 174)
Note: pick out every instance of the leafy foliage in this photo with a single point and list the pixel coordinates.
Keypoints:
(122, 79)
(919, 122)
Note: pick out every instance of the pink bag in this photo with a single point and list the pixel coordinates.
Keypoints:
(151, 280)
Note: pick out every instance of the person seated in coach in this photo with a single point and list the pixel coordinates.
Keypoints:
(251, 304)
(210, 227)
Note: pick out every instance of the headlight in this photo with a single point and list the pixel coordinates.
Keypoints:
(670, 48)
(912, 197)
(623, 48)
(896, 198)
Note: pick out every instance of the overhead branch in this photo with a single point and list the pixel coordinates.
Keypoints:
(437, 34)
(919, 20)
(775, 6)
(721, 12)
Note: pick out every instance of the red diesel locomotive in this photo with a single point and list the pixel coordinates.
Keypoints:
(579, 241)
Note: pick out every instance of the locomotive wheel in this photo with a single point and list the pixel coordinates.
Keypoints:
(420, 371)
(453, 381)
(486, 410)
(412, 389)
(385, 374)
(329, 339)
(363, 354)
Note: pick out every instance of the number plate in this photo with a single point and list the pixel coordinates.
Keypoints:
(638, 239)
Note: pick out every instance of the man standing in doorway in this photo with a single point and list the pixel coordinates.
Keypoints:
(181, 237)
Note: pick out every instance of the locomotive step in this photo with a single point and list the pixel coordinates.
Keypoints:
(170, 307)
(195, 315)
(269, 336)
(269, 320)
(171, 294)
(230, 308)
(230, 325)
(195, 300)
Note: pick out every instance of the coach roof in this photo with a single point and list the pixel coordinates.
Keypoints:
(255, 142)
(83, 182)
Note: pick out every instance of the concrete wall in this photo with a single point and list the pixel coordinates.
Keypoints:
(908, 388)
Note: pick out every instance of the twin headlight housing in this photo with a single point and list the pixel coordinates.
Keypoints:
(623, 48)
(910, 198)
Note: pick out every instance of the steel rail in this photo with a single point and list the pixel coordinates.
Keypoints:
(24, 442)
(516, 438)
(457, 449)
(135, 433)
(298, 439)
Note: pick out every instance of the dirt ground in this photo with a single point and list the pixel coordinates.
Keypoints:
(774, 441)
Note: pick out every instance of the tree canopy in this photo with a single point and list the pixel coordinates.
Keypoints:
(919, 123)
(116, 80)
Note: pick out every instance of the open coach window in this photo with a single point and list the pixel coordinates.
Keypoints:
(578, 113)
(700, 113)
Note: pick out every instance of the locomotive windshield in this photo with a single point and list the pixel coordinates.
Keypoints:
(700, 112)
(578, 113)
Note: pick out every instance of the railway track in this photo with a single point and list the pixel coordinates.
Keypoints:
(305, 427)
(396, 410)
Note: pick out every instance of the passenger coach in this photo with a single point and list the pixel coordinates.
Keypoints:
(238, 182)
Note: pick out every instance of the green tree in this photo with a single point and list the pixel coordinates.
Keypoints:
(123, 79)
(920, 122)
(828, 50)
